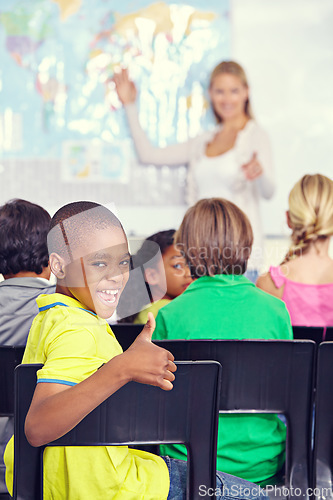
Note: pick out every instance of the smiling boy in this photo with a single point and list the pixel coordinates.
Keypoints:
(84, 364)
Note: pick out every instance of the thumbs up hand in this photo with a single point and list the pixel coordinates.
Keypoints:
(253, 168)
(148, 363)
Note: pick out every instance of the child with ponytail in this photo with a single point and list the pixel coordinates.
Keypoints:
(304, 280)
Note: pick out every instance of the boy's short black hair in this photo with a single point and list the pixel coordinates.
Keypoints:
(164, 239)
(72, 224)
(23, 237)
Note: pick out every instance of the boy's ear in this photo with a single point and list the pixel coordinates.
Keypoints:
(152, 276)
(57, 265)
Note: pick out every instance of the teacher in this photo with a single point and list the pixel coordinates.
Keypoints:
(233, 161)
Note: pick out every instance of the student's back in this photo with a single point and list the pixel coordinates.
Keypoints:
(24, 263)
(304, 281)
(223, 304)
(18, 307)
(223, 307)
(231, 307)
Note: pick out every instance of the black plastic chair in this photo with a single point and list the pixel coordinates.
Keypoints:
(10, 356)
(315, 333)
(323, 444)
(329, 334)
(266, 376)
(136, 413)
(126, 333)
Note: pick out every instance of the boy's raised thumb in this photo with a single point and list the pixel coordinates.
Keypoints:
(149, 328)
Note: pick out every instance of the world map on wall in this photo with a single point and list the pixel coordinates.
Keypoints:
(57, 62)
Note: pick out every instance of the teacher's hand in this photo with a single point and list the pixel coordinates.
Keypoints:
(125, 88)
(253, 168)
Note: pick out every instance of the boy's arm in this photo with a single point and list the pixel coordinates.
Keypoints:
(55, 408)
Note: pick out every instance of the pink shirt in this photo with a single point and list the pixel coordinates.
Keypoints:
(308, 305)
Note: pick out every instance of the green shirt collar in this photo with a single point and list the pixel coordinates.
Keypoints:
(220, 279)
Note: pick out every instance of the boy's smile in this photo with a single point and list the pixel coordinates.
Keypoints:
(99, 271)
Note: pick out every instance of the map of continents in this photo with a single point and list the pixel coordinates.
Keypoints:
(57, 62)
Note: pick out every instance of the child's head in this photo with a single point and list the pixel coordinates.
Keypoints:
(170, 274)
(89, 255)
(310, 214)
(23, 232)
(215, 237)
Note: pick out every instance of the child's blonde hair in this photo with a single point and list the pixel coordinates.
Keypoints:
(310, 212)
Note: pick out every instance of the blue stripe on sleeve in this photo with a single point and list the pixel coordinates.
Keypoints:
(55, 381)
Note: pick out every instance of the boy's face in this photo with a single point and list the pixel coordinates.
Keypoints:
(99, 271)
(177, 273)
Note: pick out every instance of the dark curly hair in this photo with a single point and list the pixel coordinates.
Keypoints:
(23, 237)
(163, 240)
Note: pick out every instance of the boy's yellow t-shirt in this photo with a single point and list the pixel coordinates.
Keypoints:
(73, 343)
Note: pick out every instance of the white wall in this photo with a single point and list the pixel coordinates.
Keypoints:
(286, 47)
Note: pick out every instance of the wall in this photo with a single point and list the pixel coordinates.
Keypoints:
(286, 47)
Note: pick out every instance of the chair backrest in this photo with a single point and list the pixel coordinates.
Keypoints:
(323, 444)
(315, 333)
(266, 376)
(10, 356)
(328, 334)
(135, 414)
(126, 333)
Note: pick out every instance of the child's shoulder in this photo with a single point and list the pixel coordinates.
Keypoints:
(66, 330)
(59, 314)
(269, 296)
(272, 281)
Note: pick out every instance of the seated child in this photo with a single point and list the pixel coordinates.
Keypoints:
(84, 365)
(161, 274)
(215, 237)
(24, 264)
(304, 280)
